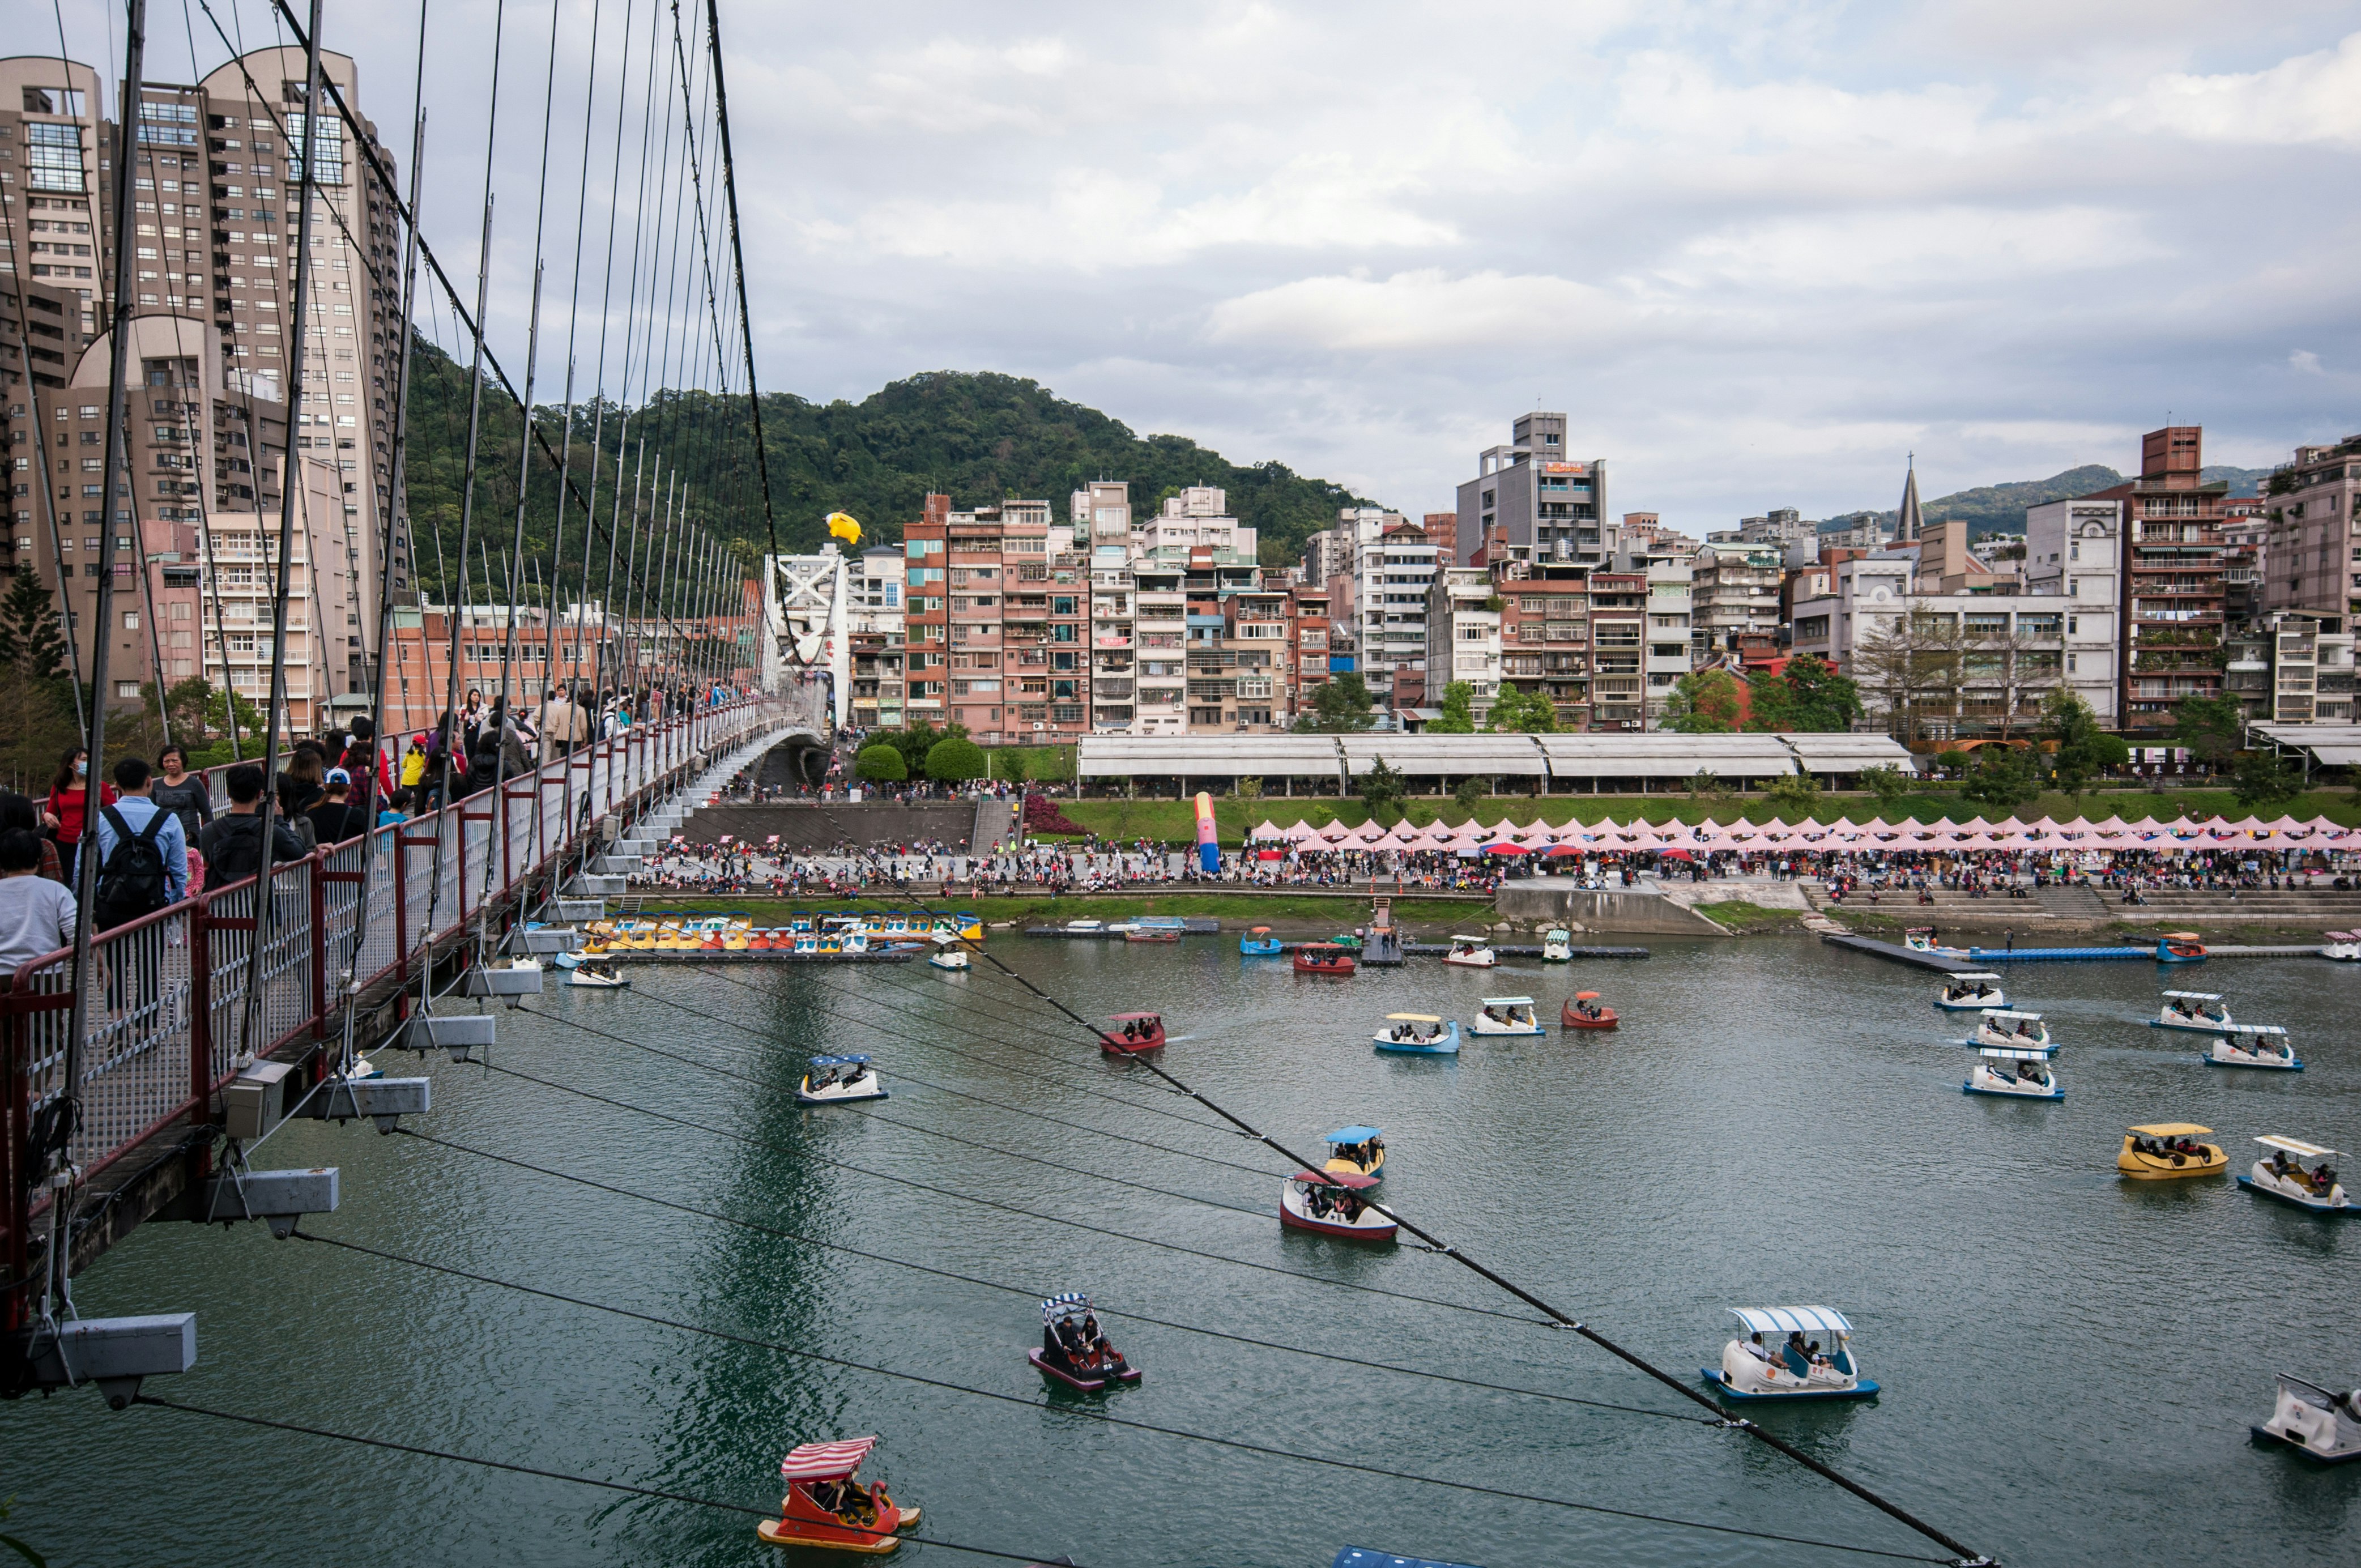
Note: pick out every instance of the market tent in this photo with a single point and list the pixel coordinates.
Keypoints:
(1270, 831)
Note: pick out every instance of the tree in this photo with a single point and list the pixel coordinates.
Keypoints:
(1381, 787)
(1913, 663)
(1793, 795)
(1458, 711)
(1704, 702)
(954, 759)
(1888, 782)
(2003, 778)
(2213, 727)
(2079, 757)
(1008, 763)
(29, 635)
(880, 762)
(1705, 784)
(1340, 706)
(2265, 778)
(1470, 791)
(1251, 788)
(37, 721)
(1806, 695)
(1520, 712)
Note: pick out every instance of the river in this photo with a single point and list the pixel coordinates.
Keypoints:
(2071, 1361)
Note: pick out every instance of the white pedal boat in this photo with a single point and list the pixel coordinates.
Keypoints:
(1790, 1367)
(1471, 952)
(2284, 1177)
(2005, 1026)
(836, 1081)
(2199, 1011)
(1505, 1015)
(1970, 991)
(2264, 1046)
(2314, 1421)
(1921, 939)
(2344, 946)
(1333, 1204)
(950, 952)
(2016, 1072)
(1557, 948)
(597, 974)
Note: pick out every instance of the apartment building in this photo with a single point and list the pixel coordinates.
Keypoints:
(1159, 657)
(1311, 653)
(2074, 552)
(57, 157)
(1734, 590)
(2312, 559)
(2292, 669)
(1618, 641)
(1393, 571)
(1545, 631)
(1197, 516)
(1549, 505)
(874, 624)
(1671, 616)
(1466, 632)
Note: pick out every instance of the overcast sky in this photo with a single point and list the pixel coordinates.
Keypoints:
(1758, 251)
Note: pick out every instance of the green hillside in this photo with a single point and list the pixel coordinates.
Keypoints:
(978, 437)
(2000, 509)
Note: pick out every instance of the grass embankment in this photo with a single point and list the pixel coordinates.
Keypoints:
(1747, 918)
(1241, 909)
(1175, 821)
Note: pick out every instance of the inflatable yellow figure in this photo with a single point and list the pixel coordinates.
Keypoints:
(842, 526)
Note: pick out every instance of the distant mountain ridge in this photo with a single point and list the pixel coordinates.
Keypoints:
(2000, 509)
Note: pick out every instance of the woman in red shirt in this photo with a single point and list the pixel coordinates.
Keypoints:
(66, 810)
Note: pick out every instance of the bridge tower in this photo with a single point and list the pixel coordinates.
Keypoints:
(804, 609)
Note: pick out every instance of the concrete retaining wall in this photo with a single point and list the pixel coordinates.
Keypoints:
(806, 828)
(1638, 914)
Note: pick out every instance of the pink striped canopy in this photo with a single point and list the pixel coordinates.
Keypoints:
(826, 1461)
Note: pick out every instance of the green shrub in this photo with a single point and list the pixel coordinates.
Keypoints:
(953, 760)
(880, 763)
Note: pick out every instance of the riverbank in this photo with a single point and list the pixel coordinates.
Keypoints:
(1235, 910)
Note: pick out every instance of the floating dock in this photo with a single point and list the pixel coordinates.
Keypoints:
(1436, 950)
(895, 955)
(1940, 963)
(1978, 958)
(1190, 925)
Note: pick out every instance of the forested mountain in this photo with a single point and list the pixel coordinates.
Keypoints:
(978, 437)
(2000, 509)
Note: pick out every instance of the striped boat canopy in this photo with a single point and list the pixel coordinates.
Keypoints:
(2249, 1028)
(2012, 1014)
(1064, 1305)
(2014, 1053)
(1793, 1320)
(2294, 1146)
(826, 1461)
(2196, 995)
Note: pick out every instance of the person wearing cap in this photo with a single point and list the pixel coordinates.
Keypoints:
(413, 762)
(336, 818)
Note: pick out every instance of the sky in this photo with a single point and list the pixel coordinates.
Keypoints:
(1761, 253)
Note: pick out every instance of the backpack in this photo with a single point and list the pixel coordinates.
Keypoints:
(132, 882)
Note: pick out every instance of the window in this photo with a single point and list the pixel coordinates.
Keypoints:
(328, 161)
(55, 153)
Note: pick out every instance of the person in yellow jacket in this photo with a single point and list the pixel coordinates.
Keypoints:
(413, 762)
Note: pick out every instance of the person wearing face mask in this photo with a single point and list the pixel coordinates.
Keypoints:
(65, 810)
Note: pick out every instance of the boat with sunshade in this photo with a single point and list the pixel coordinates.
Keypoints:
(1333, 1205)
(826, 1507)
(1584, 1010)
(2014, 1072)
(1787, 1366)
(1505, 1015)
(1418, 1035)
(597, 974)
(1074, 1349)
(1557, 946)
(2286, 1177)
(1259, 943)
(2344, 946)
(950, 953)
(1356, 1151)
(836, 1081)
(1139, 1032)
(1471, 952)
(1970, 991)
(2263, 1045)
(2007, 1026)
(2200, 1012)
(2168, 1151)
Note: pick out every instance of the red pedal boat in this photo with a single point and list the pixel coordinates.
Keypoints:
(1322, 957)
(1074, 1350)
(1140, 1032)
(1583, 1012)
(826, 1507)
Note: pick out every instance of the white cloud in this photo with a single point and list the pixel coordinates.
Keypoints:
(2306, 361)
(2313, 98)
(1420, 310)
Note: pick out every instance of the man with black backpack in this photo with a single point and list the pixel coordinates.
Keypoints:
(143, 854)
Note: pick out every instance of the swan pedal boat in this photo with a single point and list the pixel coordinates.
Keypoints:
(1101, 1363)
(866, 1522)
(2264, 1046)
(597, 974)
(2014, 1072)
(2006, 1027)
(1333, 1205)
(2197, 1011)
(1418, 1035)
(1140, 1032)
(1790, 1373)
(2318, 1423)
(1506, 1016)
(1557, 948)
(2286, 1178)
(1356, 1151)
(949, 954)
(834, 1087)
(1590, 1016)
(2153, 1163)
(1471, 952)
(2344, 946)
(1970, 991)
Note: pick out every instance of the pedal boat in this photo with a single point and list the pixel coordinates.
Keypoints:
(1333, 1205)
(1506, 1016)
(2198, 1011)
(597, 974)
(2180, 947)
(1356, 1151)
(1322, 957)
(1581, 1011)
(2283, 1177)
(949, 954)
(1970, 991)
(1418, 1035)
(826, 1507)
(1259, 943)
(2014, 1072)
(837, 1081)
(1558, 946)
(2006, 1027)
(2344, 946)
(1471, 952)
(1085, 1362)
(1140, 1032)
(1793, 1368)
(2167, 1151)
(2264, 1046)
(2321, 1425)
(1921, 939)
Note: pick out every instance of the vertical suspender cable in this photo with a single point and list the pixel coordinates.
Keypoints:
(738, 265)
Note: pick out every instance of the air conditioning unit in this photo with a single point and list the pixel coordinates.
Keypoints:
(1039, 724)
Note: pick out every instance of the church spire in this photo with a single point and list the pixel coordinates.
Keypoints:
(1908, 521)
